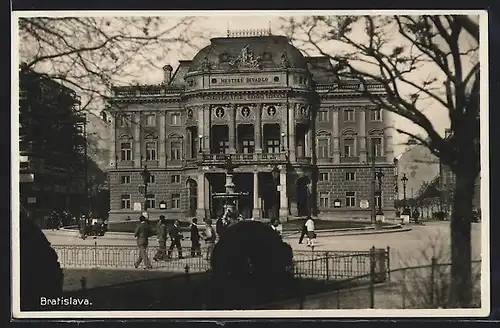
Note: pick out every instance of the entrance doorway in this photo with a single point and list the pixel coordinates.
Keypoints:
(303, 197)
(270, 196)
(244, 183)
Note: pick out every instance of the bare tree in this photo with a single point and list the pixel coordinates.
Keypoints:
(91, 54)
(393, 51)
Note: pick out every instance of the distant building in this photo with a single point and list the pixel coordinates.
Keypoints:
(259, 100)
(419, 165)
(50, 172)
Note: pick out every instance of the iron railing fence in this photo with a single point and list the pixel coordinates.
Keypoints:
(324, 265)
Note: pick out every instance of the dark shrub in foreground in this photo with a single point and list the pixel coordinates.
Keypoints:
(250, 264)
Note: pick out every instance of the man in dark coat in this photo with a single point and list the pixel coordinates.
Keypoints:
(175, 237)
(303, 232)
(142, 233)
(161, 233)
(195, 239)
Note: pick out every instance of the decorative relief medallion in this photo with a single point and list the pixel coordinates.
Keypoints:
(271, 111)
(245, 111)
(190, 113)
(220, 112)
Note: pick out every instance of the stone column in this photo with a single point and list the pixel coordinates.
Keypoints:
(283, 212)
(336, 136)
(309, 141)
(291, 132)
(162, 140)
(201, 116)
(363, 152)
(256, 197)
(232, 129)
(205, 128)
(258, 128)
(112, 151)
(137, 139)
(389, 152)
(200, 197)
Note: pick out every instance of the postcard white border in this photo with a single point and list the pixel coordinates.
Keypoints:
(334, 313)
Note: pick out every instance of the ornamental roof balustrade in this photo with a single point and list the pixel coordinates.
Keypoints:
(145, 91)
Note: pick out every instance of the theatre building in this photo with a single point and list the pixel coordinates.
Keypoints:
(298, 136)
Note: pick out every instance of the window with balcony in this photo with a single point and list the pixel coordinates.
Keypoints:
(324, 199)
(125, 179)
(219, 139)
(246, 143)
(151, 201)
(151, 151)
(350, 198)
(348, 115)
(126, 151)
(125, 202)
(323, 148)
(272, 138)
(176, 201)
(151, 119)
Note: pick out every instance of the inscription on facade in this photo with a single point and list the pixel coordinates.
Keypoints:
(244, 80)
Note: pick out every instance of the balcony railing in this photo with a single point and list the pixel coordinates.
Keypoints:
(245, 158)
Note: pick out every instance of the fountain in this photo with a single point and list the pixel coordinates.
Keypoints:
(229, 196)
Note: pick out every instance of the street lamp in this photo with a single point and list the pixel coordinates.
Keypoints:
(276, 178)
(200, 139)
(282, 141)
(405, 215)
(145, 178)
(380, 175)
(404, 179)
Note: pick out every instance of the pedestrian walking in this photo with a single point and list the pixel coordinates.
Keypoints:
(175, 238)
(210, 236)
(311, 235)
(142, 233)
(303, 232)
(416, 215)
(161, 236)
(195, 239)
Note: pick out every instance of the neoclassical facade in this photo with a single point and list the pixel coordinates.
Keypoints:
(258, 100)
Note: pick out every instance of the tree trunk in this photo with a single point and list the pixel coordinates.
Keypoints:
(461, 270)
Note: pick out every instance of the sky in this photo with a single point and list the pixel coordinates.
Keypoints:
(217, 26)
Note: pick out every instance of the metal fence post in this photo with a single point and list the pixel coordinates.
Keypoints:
(403, 285)
(388, 263)
(433, 266)
(326, 267)
(372, 278)
(95, 253)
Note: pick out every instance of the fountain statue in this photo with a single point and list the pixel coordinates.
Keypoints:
(229, 196)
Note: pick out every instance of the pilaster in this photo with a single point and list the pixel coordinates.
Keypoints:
(200, 197)
(291, 132)
(336, 136)
(112, 151)
(362, 136)
(162, 142)
(256, 197)
(232, 129)
(283, 211)
(204, 127)
(258, 128)
(137, 139)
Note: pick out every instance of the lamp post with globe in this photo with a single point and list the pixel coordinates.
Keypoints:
(405, 215)
(380, 213)
(276, 179)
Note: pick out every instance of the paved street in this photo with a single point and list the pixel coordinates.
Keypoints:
(413, 247)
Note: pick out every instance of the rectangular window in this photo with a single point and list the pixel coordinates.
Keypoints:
(324, 199)
(151, 119)
(323, 116)
(323, 148)
(176, 178)
(126, 120)
(152, 179)
(175, 150)
(125, 202)
(324, 176)
(151, 201)
(176, 201)
(248, 146)
(151, 151)
(377, 143)
(350, 198)
(126, 151)
(350, 176)
(378, 200)
(223, 147)
(376, 115)
(125, 179)
(273, 146)
(175, 119)
(348, 115)
(348, 147)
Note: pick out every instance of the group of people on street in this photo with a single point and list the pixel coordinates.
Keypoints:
(91, 225)
(308, 230)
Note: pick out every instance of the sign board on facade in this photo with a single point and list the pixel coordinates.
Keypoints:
(364, 204)
(163, 205)
(137, 206)
(244, 80)
(337, 203)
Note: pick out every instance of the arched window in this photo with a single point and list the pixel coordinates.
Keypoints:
(125, 148)
(322, 145)
(175, 144)
(376, 142)
(349, 143)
